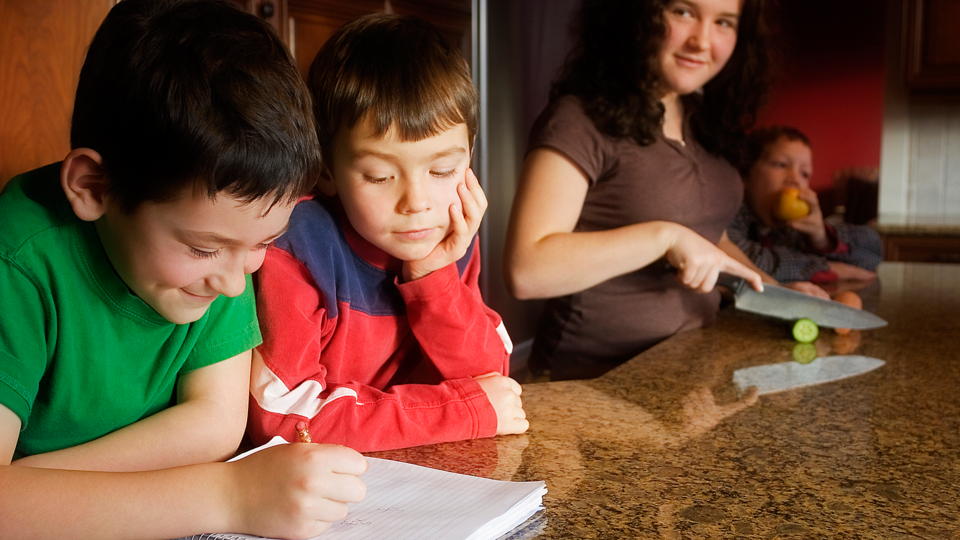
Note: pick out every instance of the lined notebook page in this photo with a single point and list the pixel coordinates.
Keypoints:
(407, 501)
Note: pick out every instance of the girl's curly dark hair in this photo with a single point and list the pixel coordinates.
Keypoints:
(613, 70)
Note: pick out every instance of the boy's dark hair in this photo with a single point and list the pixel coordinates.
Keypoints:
(613, 69)
(179, 93)
(395, 71)
(761, 138)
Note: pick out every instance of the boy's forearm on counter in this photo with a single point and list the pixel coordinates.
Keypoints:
(156, 442)
(207, 425)
(48, 503)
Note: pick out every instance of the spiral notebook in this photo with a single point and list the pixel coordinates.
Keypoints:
(406, 501)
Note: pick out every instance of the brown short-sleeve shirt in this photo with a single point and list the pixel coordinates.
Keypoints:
(591, 331)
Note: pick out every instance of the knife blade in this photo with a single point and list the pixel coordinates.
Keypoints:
(783, 303)
(771, 378)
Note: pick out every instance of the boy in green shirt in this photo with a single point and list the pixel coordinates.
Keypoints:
(128, 315)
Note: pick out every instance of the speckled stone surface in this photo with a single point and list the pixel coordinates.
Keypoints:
(665, 446)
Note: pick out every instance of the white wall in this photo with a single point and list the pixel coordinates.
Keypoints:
(920, 155)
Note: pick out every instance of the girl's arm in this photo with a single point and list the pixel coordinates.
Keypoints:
(545, 258)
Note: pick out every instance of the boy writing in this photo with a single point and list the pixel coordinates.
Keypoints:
(128, 316)
(375, 332)
(798, 248)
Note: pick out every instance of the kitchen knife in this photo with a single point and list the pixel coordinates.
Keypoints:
(791, 305)
(771, 378)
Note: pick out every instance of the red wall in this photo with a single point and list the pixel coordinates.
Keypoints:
(830, 81)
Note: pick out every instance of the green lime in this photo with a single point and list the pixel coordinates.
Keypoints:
(804, 353)
(805, 330)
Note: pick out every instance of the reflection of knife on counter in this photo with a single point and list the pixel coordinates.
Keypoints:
(783, 303)
(772, 378)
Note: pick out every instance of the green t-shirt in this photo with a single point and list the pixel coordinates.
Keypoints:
(80, 354)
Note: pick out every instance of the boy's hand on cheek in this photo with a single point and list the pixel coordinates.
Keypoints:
(465, 218)
(812, 224)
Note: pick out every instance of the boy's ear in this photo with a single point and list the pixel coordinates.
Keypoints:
(85, 183)
(325, 183)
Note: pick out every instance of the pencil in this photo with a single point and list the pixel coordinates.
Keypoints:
(303, 434)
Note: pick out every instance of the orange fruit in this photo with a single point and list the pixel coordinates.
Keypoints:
(847, 298)
(790, 205)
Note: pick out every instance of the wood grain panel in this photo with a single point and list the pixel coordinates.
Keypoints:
(451, 17)
(942, 249)
(42, 45)
(312, 22)
(932, 45)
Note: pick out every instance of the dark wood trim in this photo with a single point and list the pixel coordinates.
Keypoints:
(916, 248)
(921, 21)
(336, 9)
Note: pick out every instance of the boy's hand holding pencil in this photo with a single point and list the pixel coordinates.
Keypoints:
(303, 434)
(296, 490)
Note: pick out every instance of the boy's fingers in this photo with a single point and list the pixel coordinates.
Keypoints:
(329, 510)
(347, 488)
(343, 460)
(476, 189)
(471, 211)
(458, 225)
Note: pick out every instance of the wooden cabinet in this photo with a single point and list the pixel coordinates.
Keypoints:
(451, 17)
(312, 22)
(42, 46)
(305, 25)
(272, 11)
(921, 248)
(931, 38)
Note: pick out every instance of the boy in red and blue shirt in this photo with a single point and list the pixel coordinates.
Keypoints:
(375, 331)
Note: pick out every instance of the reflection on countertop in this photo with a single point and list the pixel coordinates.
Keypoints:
(666, 447)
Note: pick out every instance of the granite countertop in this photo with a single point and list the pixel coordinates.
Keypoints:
(666, 447)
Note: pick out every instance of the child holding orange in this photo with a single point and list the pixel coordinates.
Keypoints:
(780, 225)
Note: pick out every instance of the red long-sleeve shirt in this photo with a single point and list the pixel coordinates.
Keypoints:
(367, 361)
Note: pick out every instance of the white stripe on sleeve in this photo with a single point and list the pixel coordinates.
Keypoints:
(273, 395)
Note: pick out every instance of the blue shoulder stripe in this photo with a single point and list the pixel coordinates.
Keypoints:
(315, 239)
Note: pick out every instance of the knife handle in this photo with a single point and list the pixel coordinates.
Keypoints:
(731, 282)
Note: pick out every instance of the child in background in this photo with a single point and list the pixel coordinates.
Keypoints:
(805, 248)
(128, 317)
(375, 332)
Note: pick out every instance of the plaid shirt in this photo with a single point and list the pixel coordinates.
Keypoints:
(787, 255)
